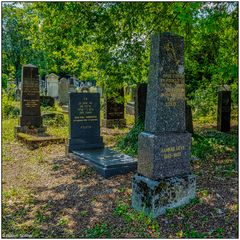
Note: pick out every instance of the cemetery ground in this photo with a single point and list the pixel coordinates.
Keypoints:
(46, 195)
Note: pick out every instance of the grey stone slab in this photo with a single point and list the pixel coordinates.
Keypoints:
(164, 155)
(155, 197)
(105, 161)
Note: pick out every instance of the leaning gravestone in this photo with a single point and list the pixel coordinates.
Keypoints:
(164, 178)
(63, 91)
(224, 109)
(85, 143)
(140, 101)
(114, 112)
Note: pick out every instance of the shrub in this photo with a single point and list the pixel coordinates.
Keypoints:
(129, 144)
(9, 108)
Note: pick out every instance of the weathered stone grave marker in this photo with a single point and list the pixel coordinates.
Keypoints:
(63, 91)
(114, 112)
(52, 85)
(164, 178)
(30, 129)
(224, 109)
(85, 143)
(130, 106)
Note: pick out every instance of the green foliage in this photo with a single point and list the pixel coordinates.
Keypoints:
(139, 218)
(213, 143)
(4, 81)
(129, 144)
(110, 42)
(99, 230)
(9, 107)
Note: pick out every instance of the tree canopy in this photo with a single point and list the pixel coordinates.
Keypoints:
(110, 41)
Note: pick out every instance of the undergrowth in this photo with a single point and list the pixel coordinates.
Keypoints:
(129, 143)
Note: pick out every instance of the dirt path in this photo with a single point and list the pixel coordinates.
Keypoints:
(46, 194)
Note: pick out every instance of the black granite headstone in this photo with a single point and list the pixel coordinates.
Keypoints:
(30, 100)
(224, 111)
(114, 112)
(189, 121)
(164, 179)
(84, 118)
(140, 101)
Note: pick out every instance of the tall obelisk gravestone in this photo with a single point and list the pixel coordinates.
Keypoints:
(164, 178)
(30, 118)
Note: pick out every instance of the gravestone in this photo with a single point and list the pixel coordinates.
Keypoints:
(189, 121)
(72, 87)
(224, 110)
(17, 94)
(52, 85)
(63, 91)
(114, 112)
(164, 178)
(100, 91)
(30, 117)
(140, 101)
(30, 129)
(85, 143)
(84, 118)
(130, 108)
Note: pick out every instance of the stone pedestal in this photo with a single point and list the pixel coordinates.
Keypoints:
(154, 197)
(164, 155)
(34, 131)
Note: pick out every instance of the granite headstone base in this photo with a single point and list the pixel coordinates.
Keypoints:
(154, 197)
(76, 144)
(31, 121)
(112, 123)
(34, 141)
(164, 155)
(28, 130)
(130, 108)
(105, 161)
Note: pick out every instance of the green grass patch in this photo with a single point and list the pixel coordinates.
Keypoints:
(99, 230)
(208, 144)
